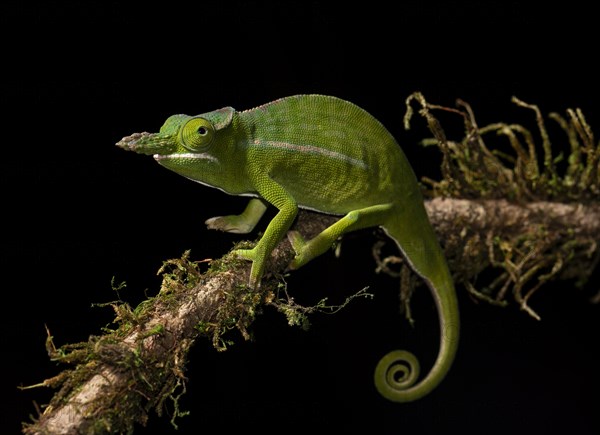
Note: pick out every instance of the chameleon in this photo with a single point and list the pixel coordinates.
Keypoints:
(328, 155)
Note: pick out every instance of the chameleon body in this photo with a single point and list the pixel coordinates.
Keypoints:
(324, 154)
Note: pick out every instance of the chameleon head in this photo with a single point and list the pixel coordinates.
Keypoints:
(188, 145)
(180, 134)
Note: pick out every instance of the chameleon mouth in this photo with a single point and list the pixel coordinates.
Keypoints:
(185, 156)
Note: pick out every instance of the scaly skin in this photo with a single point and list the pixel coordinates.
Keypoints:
(324, 154)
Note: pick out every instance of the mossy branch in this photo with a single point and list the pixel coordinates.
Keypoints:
(512, 213)
(138, 366)
(503, 213)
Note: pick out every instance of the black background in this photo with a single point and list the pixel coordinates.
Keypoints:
(77, 211)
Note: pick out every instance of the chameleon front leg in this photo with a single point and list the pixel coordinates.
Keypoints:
(242, 223)
(288, 209)
(355, 220)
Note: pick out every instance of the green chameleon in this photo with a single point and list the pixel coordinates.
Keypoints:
(324, 154)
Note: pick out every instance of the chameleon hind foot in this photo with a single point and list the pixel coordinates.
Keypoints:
(298, 244)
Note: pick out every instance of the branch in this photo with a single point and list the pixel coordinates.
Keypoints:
(140, 366)
(519, 246)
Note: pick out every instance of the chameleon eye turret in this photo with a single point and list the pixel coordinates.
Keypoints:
(197, 134)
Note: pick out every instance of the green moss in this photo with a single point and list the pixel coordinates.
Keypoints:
(154, 381)
(474, 168)
(297, 315)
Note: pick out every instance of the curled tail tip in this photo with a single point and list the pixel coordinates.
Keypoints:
(396, 375)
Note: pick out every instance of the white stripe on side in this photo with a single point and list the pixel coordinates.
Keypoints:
(310, 149)
(197, 156)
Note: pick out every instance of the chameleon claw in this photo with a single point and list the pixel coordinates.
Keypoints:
(244, 254)
(257, 269)
(298, 244)
(296, 240)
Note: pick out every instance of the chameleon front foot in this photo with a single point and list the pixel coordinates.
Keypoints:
(241, 223)
(232, 224)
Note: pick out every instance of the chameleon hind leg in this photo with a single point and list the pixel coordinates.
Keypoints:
(367, 217)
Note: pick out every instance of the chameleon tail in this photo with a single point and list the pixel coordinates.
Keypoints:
(397, 372)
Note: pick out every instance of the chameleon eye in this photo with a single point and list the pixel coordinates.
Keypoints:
(197, 134)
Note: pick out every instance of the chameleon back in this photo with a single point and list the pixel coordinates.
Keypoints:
(330, 147)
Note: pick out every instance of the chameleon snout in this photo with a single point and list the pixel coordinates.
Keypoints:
(133, 142)
(147, 143)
